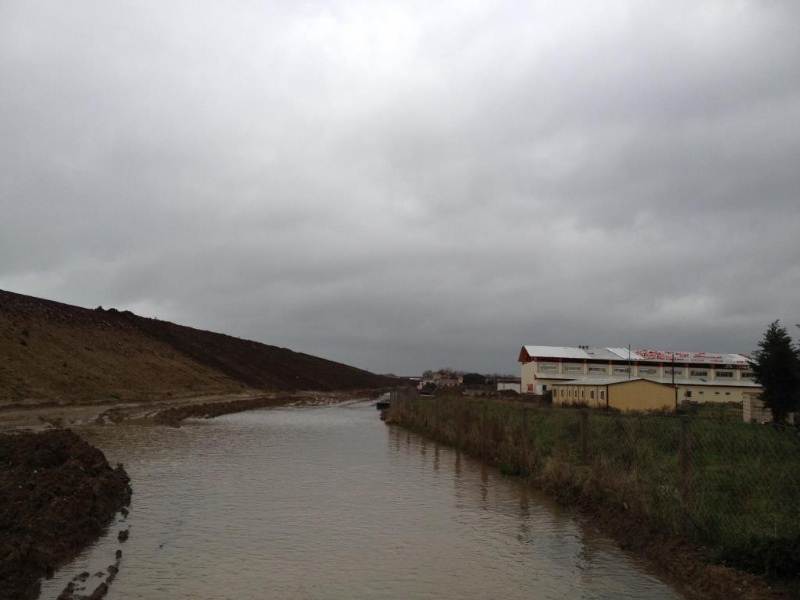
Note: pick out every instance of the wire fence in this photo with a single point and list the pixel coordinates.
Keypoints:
(731, 485)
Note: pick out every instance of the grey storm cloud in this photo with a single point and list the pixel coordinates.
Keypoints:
(408, 185)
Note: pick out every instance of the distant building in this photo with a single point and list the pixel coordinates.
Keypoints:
(698, 376)
(613, 392)
(471, 379)
(509, 383)
(445, 378)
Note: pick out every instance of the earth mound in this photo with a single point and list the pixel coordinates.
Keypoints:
(58, 493)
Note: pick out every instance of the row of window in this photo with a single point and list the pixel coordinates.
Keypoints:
(642, 370)
(583, 394)
(568, 394)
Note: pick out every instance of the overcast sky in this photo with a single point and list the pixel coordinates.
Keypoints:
(403, 185)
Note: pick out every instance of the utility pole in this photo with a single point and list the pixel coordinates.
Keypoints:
(629, 361)
(673, 382)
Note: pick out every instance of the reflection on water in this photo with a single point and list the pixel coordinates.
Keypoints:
(330, 503)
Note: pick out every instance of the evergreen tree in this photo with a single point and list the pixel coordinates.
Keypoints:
(777, 368)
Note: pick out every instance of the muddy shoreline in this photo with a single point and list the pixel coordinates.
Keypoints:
(57, 494)
(170, 411)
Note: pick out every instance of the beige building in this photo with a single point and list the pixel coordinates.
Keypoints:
(698, 376)
(613, 392)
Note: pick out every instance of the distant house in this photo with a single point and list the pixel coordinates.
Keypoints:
(472, 379)
(615, 392)
(445, 378)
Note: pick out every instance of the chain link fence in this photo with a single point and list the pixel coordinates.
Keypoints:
(730, 485)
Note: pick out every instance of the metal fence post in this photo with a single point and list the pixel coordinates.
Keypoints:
(687, 499)
(457, 415)
(525, 432)
(584, 437)
(484, 433)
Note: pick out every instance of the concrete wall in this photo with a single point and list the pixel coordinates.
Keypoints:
(754, 411)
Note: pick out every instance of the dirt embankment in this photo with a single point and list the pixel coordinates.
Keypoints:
(57, 493)
(54, 353)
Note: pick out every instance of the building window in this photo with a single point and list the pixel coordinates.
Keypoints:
(671, 371)
(748, 374)
(573, 369)
(648, 371)
(583, 394)
(598, 369)
(591, 394)
(602, 394)
(548, 367)
(698, 373)
(621, 370)
(724, 374)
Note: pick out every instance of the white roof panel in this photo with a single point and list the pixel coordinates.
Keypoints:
(606, 380)
(624, 353)
(611, 353)
(556, 352)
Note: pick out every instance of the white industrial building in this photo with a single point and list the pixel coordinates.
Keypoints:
(697, 376)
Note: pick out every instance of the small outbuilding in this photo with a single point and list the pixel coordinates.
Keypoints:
(754, 411)
(613, 392)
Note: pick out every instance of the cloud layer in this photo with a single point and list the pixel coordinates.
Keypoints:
(400, 185)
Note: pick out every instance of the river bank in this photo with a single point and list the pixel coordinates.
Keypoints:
(58, 493)
(633, 477)
(164, 411)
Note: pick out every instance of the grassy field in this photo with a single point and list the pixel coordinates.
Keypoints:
(732, 486)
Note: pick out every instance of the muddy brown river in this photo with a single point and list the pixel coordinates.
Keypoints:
(328, 502)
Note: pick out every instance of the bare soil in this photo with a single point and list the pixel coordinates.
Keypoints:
(56, 354)
(57, 493)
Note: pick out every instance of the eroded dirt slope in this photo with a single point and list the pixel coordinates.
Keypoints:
(54, 352)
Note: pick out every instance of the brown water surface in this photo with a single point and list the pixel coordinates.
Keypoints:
(328, 502)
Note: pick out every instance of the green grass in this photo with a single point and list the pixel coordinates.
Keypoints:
(730, 485)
